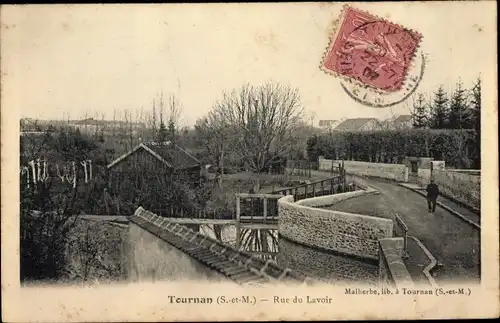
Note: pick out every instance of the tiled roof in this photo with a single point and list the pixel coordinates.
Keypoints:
(239, 266)
(174, 155)
(403, 118)
(353, 124)
(170, 154)
(323, 123)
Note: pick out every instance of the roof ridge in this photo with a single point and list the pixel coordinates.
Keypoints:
(125, 155)
(197, 160)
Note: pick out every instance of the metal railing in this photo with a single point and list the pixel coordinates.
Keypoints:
(318, 188)
(404, 229)
(265, 210)
(332, 185)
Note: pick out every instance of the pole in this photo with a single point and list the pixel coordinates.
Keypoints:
(265, 209)
(238, 233)
(406, 245)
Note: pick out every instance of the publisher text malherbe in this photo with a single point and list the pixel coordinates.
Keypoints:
(374, 291)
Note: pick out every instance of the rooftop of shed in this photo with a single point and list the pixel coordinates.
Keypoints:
(168, 153)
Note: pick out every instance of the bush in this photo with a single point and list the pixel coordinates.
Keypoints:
(456, 147)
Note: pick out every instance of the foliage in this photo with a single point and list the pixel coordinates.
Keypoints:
(439, 109)
(445, 128)
(45, 219)
(420, 115)
(213, 134)
(257, 122)
(48, 207)
(475, 118)
(458, 115)
(454, 146)
(457, 110)
(94, 251)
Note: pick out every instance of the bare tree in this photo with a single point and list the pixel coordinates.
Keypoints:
(174, 116)
(263, 119)
(214, 136)
(164, 120)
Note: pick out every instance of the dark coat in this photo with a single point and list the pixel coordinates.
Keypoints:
(432, 190)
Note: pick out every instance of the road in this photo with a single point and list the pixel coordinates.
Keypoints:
(454, 243)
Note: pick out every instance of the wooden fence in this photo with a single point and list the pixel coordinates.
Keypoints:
(323, 187)
(255, 205)
(305, 168)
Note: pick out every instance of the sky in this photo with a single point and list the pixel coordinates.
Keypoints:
(61, 61)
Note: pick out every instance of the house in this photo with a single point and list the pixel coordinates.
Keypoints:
(328, 124)
(403, 122)
(91, 125)
(151, 162)
(358, 124)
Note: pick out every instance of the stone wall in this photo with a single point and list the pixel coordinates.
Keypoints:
(151, 258)
(327, 164)
(392, 271)
(329, 200)
(326, 266)
(464, 187)
(398, 172)
(476, 172)
(347, 233)
(438, 165)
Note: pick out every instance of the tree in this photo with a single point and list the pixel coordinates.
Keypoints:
(313, 149)
(458, 115)
(162, 132)
(476, 120)
(214, 136)
(165, 120)
(476, 106)
(174, 114)
(439, 109)
(419, 113)
(263, 119)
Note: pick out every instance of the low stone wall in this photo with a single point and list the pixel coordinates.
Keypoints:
(398, 172)
(328, 200)
(326, 266)
(476, 172)
(347, 233)
(461, 186)
(326, 165)
(151, 258)
(392, 271)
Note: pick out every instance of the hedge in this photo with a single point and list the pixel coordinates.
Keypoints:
(458, 148)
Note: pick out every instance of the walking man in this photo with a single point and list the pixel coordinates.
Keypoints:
(432, 194)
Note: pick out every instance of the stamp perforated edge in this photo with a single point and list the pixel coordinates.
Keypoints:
(335, 29)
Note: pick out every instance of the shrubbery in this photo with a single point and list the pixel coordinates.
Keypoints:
(48, 207)
(458, 148)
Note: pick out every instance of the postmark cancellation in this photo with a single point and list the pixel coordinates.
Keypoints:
(370, 52)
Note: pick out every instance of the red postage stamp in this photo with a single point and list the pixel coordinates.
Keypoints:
(373, 51)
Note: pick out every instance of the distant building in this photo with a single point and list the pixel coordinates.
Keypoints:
(358, 124)
(403, 122)
(399, 122)
(148, 162)
(91, 125)
(328, 123)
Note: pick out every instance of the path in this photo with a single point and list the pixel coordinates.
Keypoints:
(454, 243)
